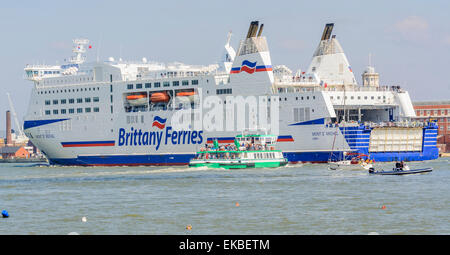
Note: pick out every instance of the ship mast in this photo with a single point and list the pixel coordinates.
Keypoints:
(79, 49)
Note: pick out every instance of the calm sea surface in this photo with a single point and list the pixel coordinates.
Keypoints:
(300, 199)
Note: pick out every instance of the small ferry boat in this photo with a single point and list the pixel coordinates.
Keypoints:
(248, 151)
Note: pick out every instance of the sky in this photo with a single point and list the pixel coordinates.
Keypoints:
(409, 41)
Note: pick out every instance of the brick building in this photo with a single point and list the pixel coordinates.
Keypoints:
(439, 111)
(14, 152)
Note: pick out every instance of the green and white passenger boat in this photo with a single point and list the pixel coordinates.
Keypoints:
(247, 151)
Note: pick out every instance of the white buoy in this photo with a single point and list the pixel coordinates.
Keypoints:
(83, 219)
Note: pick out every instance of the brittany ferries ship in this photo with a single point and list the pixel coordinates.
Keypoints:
(121, 113)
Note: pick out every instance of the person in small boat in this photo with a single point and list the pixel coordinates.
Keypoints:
(397, 166)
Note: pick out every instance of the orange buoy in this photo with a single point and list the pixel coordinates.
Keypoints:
(188, 227)
(383, 207)
(237, 204)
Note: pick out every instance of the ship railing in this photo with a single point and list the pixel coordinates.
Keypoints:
(405, 124)
(370, 124)
(289, 87)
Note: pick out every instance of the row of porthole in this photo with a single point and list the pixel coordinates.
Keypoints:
(67, 90)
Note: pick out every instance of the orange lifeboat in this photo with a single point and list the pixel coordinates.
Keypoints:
(183, 94)
(159, 97)
(137, 99)
(187, 94)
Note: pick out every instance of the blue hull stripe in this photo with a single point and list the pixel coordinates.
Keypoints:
(36, 123)
(310, 122)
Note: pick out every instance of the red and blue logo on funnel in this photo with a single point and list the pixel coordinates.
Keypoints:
(159, 122)
(250, 67)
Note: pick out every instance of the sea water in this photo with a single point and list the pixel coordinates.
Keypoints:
(303, 199)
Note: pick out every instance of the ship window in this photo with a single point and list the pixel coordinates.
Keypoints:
(185, 83)
(55, 111)
(359, 97)
(47, 102)
(224, 91)
(307, 98)
(96, 109)
(47, 112)
(194, 82)
(365, 97)
(139, 86)
(79, 100)
(148, 85)
(130, 86)
(157, 84)
(95, 99)
(55, 101)
(176, 83)
(79, 110)
(372, 97)
(87, 109)
(71, 110)
(166, 84)
(63, 111)
(87, 100)
(352, 97)
(296, 98)
(314, 97)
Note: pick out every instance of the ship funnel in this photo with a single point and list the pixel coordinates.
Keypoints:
(327, 31)
(252, 29)
(260, 30)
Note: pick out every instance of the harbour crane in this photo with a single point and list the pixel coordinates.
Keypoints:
(18, 126)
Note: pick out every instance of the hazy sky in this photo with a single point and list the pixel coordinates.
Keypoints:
(409, 40)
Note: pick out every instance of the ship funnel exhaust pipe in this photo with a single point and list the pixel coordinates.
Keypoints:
(260, 30)
(327, 31)
(252, 29)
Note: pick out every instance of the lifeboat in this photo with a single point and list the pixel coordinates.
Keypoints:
(137, 99)
(188, 94)
(159, 97)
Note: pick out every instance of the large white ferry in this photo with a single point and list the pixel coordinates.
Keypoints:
(120, 113)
